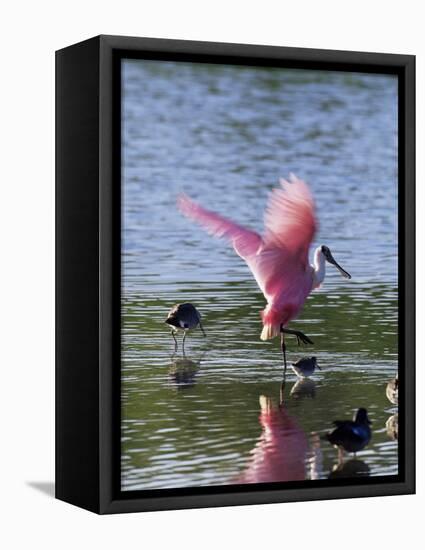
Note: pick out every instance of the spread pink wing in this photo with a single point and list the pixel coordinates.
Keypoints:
(277, 275)
(290, 219)
(281, 267)
(279, 261)
(245, 242)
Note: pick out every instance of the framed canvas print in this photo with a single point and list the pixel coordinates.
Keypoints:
(235, 274)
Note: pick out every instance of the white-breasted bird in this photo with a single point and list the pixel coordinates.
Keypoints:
(392, 391)
(305, 367)
(183, 317)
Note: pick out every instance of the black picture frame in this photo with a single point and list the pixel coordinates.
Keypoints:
(88, 272)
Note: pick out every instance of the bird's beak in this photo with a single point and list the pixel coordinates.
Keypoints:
(332, 261)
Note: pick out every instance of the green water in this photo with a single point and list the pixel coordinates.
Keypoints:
(225, 136)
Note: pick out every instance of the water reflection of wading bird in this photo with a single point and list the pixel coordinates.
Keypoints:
(279, 259)
(351, 435)
(351, 468)
(392, 427)
(280, 452)
(183, 317)
(304, 387)
(183, 372)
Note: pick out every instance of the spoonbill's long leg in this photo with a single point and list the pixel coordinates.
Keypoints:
(283, 347)
(202, 328)
(300, 335)
(184, 338)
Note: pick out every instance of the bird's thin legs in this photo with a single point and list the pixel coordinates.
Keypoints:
(283, 347)
(301, 337)
(202, 328)
(175, 341)
(184, 338)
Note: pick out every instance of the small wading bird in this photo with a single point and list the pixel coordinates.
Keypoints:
(392, 391)
(351, 435)
(279, 259)
(392, 427)
(305, 367)
(183, 317)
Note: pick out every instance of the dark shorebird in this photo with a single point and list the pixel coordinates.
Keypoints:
(183, 317)
(305, 367)
(392, 391)
(351, 435)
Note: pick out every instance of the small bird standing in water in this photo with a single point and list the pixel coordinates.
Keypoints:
(392, 391)
(278, 259)
(351, 435)
(183, 317)
(305, 367)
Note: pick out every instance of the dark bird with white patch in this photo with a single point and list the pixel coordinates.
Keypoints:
(351, 435)
(183, 317)
(305, 367)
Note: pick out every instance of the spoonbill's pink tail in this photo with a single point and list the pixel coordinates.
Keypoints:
(270, 331)
(272, 323)
(274, 319)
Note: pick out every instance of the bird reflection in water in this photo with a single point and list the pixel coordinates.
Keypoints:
(183, 370)
(350, 468)
(315, 458)
(304, 387)
(392, 427)
(281, 450)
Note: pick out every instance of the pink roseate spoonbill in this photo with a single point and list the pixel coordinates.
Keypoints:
(279, 259)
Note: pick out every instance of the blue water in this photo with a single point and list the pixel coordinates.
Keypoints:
(224, 135)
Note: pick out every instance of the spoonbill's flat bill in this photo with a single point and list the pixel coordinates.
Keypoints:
(279, 259)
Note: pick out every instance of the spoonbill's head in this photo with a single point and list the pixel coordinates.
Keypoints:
(361, 417)
(329, 258)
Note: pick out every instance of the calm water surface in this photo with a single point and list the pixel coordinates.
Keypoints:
(224, 136)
